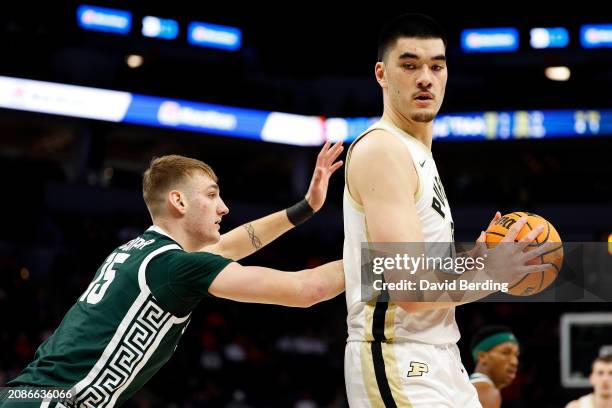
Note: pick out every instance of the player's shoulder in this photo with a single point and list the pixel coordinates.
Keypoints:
(376, 139)
(488, 393)
(573, 404)
(177, 256)
(485, 386)
(377, 146)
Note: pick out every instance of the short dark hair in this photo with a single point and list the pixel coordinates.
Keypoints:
(408, 25)
(607, 358)
(487, 331)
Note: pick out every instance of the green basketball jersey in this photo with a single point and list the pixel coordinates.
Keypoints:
(127, 323)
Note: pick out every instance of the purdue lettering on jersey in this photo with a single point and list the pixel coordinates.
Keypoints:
(438, 202)
(417, 369)
(369, 321)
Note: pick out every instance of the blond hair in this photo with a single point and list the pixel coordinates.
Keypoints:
(165, 173)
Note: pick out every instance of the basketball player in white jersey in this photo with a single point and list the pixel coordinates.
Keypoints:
(403, 354)
(601, 380)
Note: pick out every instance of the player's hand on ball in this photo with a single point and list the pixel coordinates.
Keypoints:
(480, 247)
(325, 167)
(510, 261)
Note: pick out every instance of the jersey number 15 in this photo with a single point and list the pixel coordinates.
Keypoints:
(96, 290)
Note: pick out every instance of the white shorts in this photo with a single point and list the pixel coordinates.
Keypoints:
(406, 374)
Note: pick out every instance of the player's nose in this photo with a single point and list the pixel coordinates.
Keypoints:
(424, 78)
(222, 208)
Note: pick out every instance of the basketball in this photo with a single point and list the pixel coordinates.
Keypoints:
(532, 283)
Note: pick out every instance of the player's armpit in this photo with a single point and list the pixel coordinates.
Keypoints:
(264, 285)
(381, 176)
(489, 396)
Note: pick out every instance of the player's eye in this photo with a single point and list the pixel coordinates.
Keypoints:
(408, 66)
(437, 67)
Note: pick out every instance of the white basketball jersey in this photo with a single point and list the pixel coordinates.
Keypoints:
(586, 401)
(382, 321)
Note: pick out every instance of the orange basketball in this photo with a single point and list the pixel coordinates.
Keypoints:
(534, 282)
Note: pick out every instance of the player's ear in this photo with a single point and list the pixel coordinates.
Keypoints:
(176, 201)
(591, 378)
(380, 73)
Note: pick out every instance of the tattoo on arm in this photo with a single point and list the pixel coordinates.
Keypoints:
(254, 238)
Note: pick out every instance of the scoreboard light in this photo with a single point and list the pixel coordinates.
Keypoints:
(596, 35)
(104, 19)
(164, 28)
(214, 36)
(505, 39)
(557, 37)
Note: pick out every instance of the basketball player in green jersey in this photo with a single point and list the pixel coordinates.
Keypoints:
(601, 380)
(129, 320)
(496, 353)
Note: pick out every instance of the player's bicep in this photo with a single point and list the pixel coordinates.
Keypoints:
(382, 175)
(258, 285)
(179, 280)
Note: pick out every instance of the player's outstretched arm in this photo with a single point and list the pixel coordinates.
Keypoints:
(257, 284)
(250, 237)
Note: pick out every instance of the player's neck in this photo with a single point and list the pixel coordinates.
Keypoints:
(481, 370)
(174, 231)
(422, 131)
(600, 402)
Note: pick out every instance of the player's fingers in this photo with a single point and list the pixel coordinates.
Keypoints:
(514, 230)
(335, 151)
(323, 150)
(542, 250)
(494, 220)
(332, 154)
(335, 167)
(538, 268)
(530, 237)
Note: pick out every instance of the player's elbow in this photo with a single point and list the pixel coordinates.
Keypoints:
(310, 292)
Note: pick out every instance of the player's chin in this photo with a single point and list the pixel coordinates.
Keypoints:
(213, 236)
(423, 115)
(509, 377)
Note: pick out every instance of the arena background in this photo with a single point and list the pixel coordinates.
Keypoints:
(71, 187)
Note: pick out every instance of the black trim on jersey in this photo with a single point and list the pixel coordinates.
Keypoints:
(378, 320)
(378, 332)
(381, 375)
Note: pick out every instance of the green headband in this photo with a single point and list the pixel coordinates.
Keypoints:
(488, 343)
